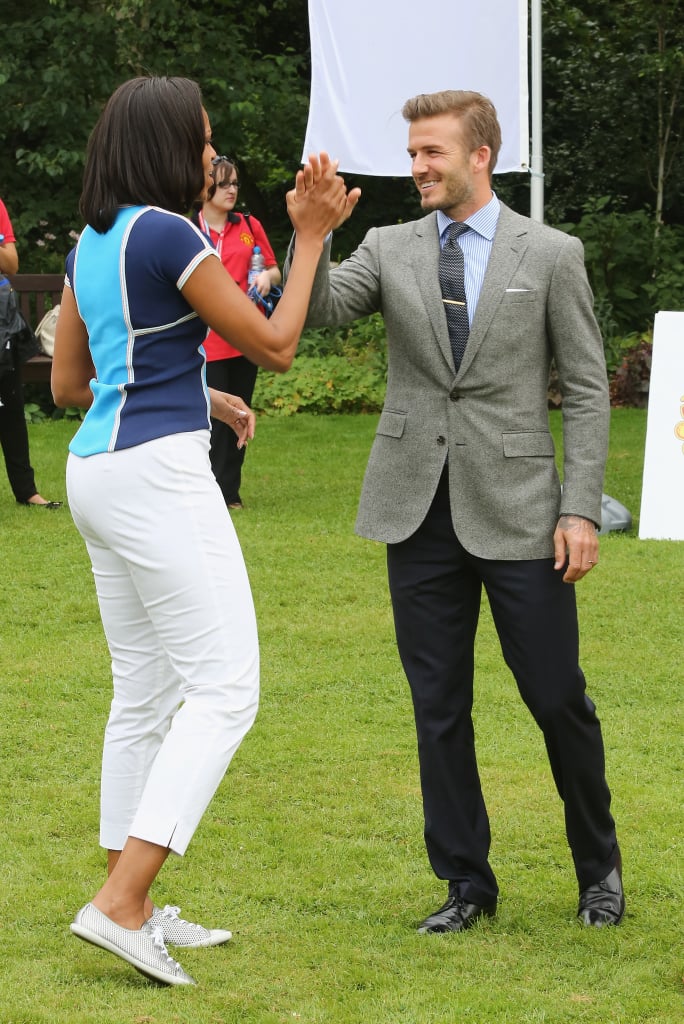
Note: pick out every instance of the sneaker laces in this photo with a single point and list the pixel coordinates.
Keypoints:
(157, 935)
(173, 913)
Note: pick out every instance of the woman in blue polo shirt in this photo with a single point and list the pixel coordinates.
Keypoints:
(142, 286)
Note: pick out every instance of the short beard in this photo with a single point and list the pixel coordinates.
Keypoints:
(452, 201)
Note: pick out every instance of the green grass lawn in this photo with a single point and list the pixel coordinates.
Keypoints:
(312, 850)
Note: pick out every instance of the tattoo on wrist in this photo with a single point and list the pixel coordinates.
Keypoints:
(566, 521)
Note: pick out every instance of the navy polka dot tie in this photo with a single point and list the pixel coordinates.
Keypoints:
(451, 280)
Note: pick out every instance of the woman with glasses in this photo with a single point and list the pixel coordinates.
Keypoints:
(234, 237)
(171, 583)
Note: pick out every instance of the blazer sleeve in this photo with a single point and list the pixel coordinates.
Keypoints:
(577, 348)
(344, 293)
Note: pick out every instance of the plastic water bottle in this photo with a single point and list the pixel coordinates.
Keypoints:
(256, 265)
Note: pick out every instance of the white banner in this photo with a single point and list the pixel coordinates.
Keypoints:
(369, 56)
(662, 495)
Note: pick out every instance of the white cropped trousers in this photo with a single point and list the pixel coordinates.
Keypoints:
(178, 615)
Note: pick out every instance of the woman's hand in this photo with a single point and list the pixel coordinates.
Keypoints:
(262, 283)
(231, 409)
(319, 202)
(72, 365)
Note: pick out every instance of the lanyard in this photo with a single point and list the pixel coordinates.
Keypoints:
(220, 234)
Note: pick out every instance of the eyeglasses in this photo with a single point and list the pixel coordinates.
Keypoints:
(216, 163)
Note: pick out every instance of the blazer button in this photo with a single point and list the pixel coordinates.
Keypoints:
(441, 439)
(454, 396)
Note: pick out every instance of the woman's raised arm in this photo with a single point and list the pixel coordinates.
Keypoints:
(317, 204)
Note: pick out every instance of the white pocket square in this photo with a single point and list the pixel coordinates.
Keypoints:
(518, 289)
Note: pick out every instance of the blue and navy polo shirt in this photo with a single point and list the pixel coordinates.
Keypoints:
(145, 339)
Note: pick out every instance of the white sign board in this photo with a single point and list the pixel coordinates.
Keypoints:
(662, 495)
(369, 56)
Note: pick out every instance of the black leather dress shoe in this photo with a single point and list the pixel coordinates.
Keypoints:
(455, 916)
(604, 902)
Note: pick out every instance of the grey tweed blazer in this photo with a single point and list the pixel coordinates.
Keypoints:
(491, 419)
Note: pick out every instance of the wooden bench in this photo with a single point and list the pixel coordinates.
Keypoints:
(36, 294)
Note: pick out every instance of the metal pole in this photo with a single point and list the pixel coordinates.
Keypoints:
(537, 159)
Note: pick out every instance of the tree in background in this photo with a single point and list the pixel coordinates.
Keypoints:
(61, 61)
(612, 137)
(612, 124)
(54, 70)
(613, 106)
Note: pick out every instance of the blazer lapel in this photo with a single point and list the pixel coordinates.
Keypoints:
(425, 262)
(510, 243)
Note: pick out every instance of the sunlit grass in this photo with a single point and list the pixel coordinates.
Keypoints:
(312, 850)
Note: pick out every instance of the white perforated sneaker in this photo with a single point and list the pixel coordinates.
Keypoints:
(178, 932)
(143, 948)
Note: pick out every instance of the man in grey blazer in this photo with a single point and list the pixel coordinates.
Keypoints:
(462, 486)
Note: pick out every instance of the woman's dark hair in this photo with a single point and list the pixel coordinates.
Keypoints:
(146, 149)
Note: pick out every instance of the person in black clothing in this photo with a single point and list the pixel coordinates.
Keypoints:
(234, 236)
(13, 432)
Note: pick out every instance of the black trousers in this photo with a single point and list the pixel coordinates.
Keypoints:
(435, 586)
(236, 377)
(14, 436)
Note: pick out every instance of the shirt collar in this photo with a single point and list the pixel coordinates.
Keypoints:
(232, 218)
(483, 221)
